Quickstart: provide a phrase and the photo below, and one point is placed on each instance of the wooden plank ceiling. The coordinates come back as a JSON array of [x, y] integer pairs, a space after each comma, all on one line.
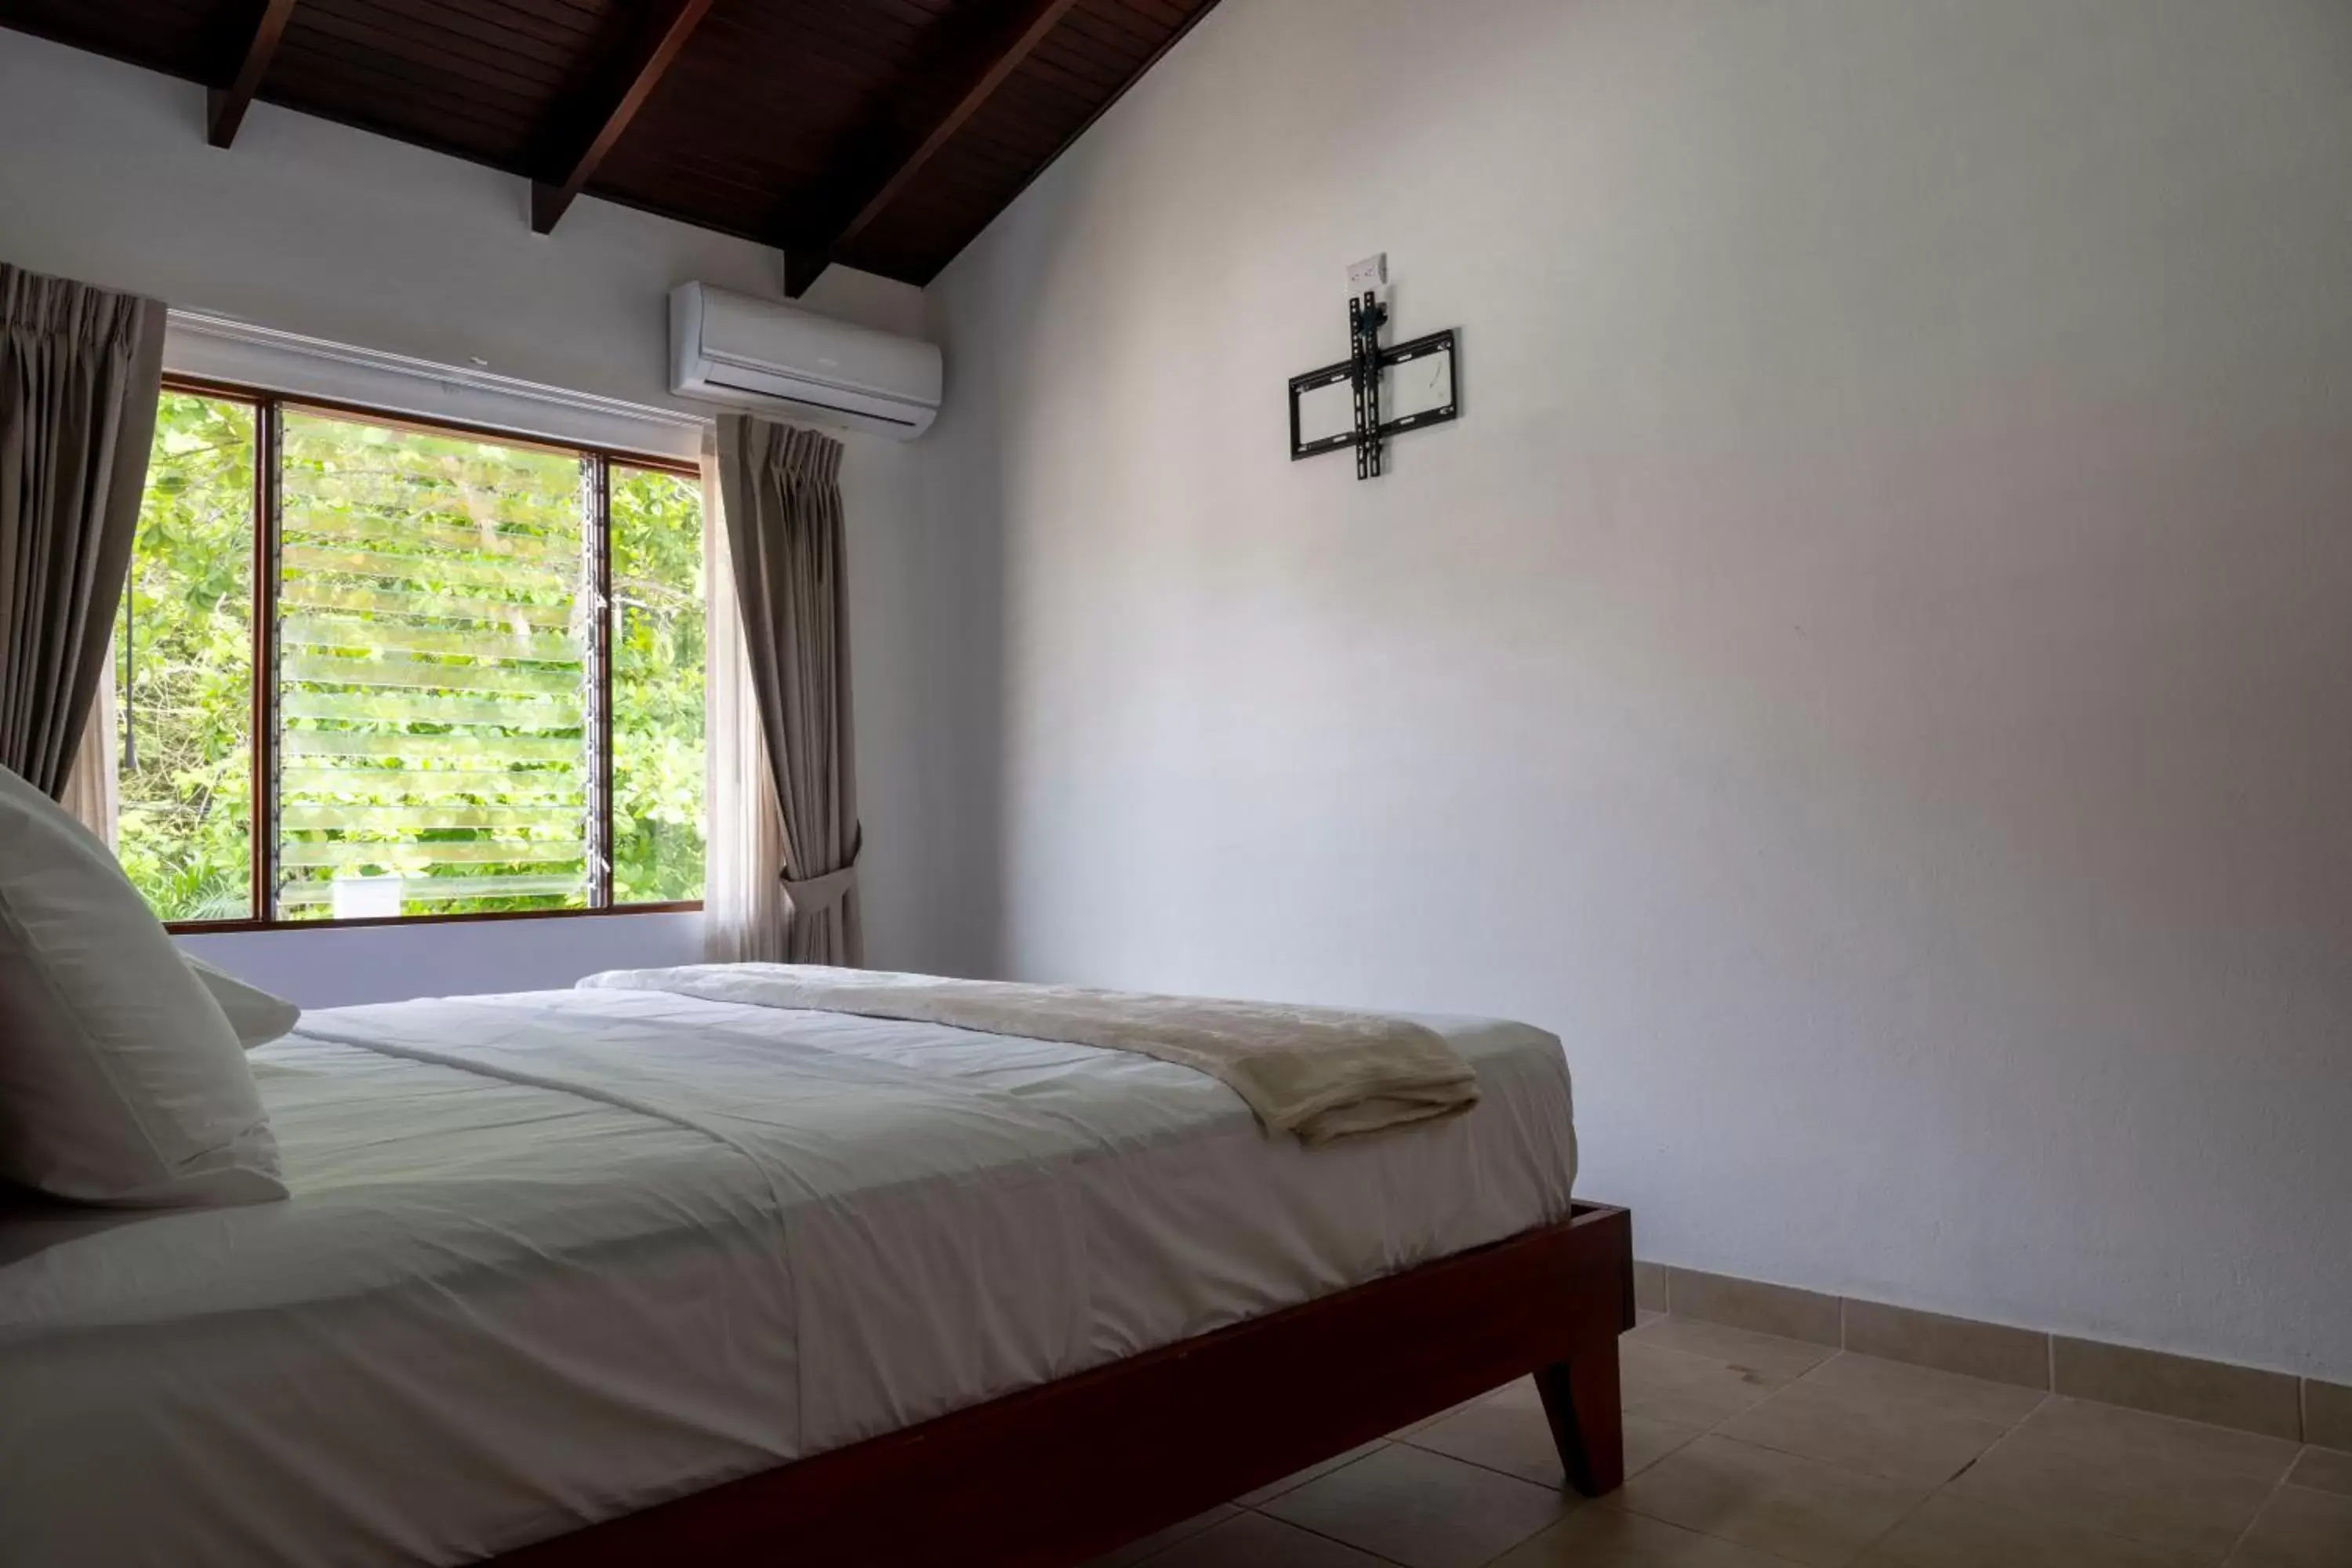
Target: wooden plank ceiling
[[883, 134]]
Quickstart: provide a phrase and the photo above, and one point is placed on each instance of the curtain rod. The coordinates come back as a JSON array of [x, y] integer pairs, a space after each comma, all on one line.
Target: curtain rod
[[231, 331]]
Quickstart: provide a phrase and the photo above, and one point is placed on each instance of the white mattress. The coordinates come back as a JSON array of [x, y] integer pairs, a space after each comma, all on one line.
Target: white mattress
[[555, 1257]]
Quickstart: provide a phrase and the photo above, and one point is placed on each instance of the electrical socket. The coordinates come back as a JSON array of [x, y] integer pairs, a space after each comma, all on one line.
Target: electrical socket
[[1372, 272]]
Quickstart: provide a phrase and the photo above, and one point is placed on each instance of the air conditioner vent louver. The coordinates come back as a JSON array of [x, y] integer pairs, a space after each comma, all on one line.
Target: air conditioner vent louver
[[773, 358], [753, 395]]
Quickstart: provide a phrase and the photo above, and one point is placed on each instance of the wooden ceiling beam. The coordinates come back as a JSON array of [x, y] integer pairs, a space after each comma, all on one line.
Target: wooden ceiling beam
[[801, 267], [600, 123], [224, 106], [987, 66]]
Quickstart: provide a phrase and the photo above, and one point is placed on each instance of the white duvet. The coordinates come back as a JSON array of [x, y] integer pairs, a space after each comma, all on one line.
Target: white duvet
[[554, 1256]]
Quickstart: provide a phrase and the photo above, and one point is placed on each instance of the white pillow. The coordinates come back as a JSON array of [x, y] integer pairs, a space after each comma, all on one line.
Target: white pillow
[[121, 1080], [257, 1016]]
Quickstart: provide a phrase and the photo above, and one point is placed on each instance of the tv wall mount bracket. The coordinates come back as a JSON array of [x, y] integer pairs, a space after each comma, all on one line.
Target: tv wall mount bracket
[[1435, 357]]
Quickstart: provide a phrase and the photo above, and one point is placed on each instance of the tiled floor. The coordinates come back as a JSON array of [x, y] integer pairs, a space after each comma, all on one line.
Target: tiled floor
[[1747, 1451]]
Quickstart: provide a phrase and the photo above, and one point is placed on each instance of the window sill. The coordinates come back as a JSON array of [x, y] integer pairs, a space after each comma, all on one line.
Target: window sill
[[230, 928]]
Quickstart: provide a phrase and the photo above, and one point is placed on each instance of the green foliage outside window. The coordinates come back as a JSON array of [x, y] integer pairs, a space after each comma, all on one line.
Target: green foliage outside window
[[434, 632], [657, 663], [435, 701], [183, 667]]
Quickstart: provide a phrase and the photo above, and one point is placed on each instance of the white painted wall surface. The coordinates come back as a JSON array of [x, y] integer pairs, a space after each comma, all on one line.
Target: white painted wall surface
[[310, 228], [459, 958], [1873, 669]]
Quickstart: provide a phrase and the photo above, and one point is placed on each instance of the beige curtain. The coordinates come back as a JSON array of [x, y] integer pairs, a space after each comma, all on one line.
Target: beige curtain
[[780, 492], [743, 833], [94, 785], [80, 369]]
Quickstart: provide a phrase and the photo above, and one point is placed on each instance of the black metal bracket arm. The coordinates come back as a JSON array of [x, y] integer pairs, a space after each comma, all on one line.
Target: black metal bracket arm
[[1366, 316], [1361, 371]]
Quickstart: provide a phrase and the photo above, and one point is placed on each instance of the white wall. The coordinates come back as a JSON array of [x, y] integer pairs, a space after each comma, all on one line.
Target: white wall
[[334, 968], [1873, 669], [310, 228]]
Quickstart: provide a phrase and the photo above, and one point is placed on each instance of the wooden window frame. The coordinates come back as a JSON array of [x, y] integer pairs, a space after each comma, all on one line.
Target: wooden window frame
[[597, 463]]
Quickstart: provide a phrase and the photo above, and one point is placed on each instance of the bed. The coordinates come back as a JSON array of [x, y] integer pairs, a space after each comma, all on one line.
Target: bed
[[603, 1274]]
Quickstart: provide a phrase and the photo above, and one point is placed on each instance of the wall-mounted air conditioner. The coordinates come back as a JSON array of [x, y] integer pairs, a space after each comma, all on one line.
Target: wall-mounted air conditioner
[[775, 359]]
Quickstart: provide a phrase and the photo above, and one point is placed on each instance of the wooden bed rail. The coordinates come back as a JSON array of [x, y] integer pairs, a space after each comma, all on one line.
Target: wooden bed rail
[[1049, 1476]]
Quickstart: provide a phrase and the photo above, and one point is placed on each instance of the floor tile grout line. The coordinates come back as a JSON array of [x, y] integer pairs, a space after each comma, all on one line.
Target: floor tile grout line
[[2010, 1429], [2056, 1516], [2277, 1487], [1616, 1498], [2049, 1339], [1371, 1448], [2223, 1562], [1903, 1518], [1816, 1460], [2010, 1424], [2252, 1520], [1335, 1540], [1853, 1470], [2007, 1425], [2047, 1394], [1576, 1499], [1483, 1464]]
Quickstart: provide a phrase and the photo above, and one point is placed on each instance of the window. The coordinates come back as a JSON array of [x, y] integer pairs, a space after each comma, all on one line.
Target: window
[[370, 669], [183, 667]]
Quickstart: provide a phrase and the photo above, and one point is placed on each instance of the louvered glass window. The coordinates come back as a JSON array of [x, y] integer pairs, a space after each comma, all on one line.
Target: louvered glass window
[[480, 686], [435, 678], [658, 596]]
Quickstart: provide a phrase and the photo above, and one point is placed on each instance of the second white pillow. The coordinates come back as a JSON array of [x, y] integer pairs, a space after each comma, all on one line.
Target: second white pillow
[[256, 1016]]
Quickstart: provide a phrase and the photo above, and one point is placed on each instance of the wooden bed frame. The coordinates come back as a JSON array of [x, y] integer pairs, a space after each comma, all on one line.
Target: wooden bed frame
[[1051, 1476]]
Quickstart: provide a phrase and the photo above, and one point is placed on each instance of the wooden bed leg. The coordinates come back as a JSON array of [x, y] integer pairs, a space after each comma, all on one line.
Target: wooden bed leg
[[1579, 1396]]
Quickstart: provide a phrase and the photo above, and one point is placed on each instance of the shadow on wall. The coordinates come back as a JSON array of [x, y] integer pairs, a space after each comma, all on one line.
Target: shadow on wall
[[960, 633]]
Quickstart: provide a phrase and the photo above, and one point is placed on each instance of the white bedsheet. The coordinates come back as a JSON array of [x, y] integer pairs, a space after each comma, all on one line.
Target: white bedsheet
[[554, 1256]]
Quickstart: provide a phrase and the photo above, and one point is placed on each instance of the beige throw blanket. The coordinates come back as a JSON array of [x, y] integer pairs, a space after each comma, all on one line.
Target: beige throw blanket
[[1318, 1072]]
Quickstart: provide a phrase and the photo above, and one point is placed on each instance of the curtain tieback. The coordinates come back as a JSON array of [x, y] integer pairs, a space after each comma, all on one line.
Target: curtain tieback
[[815, 895]]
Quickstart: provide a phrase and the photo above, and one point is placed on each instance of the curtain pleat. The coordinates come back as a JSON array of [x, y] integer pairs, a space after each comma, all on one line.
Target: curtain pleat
[[81, 371], [782, 498], [743, 912], [93, 791]]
